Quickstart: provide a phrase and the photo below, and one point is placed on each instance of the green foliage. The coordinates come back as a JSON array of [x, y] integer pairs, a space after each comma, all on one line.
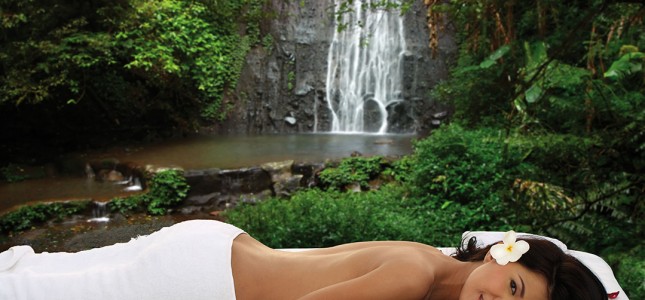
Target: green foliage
[[291, 78], [48, 50], [354, 170], [463, 178], [479, 95], [133, 68], [167, 189], [127, 205], [174, 38], [12, 173], [314, 218], [628, 64], [267, 43], [29, 216], [629, 268], [458, 165], [556, 158], [401, 170]]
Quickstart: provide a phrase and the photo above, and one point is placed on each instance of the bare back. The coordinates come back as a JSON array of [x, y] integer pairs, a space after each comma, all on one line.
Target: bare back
[[366, 270]]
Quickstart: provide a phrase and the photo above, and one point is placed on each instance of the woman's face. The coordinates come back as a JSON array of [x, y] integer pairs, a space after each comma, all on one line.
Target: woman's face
[[512, 281]]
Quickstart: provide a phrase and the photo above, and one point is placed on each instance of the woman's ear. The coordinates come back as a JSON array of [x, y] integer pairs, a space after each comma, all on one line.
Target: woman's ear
[[488, 257]]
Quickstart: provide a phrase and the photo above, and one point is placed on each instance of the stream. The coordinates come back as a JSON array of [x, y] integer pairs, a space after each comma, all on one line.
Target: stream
[[194, 153]]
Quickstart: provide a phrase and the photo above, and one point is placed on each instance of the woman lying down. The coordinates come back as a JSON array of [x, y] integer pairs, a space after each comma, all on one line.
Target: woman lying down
[[205, 259]]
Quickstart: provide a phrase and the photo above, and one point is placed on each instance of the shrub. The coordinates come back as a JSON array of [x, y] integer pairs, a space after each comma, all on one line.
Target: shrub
[[557, 158], [401, 170], [315, 218], [167, 189], [462, 166], [359, 170], [629, 268], [126, 205], [29, 216]]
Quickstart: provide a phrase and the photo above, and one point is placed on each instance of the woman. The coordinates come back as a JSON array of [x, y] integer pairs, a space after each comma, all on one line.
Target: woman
[[212, 260]]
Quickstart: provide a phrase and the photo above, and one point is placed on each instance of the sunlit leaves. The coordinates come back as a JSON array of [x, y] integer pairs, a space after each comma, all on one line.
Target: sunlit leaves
[[492, 59], [175, 38], [626, 65]]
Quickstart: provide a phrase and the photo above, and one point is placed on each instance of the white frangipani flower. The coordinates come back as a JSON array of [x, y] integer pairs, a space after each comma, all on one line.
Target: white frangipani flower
[[509, 250]]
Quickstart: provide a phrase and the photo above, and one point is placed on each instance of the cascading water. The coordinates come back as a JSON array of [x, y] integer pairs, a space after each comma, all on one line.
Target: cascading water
[[364, 69]]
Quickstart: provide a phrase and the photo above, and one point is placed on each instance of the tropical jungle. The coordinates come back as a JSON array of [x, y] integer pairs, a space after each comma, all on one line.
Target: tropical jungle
[[546, 132]]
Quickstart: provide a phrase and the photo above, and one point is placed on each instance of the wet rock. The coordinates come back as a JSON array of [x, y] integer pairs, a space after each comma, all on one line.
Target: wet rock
[[304, 90], [287, 186], [294, 70], [290, 120], [309, 172], [202, 200], [440, 115], [110, 175], [284, 181], [277, 170], [190, 210], [255, 197], [354, 187]]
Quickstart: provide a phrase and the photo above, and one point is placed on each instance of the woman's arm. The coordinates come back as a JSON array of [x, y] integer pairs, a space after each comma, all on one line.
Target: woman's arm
[[393, 280]]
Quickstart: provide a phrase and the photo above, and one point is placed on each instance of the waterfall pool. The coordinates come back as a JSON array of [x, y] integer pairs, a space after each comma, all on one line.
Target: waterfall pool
[[202, 152]]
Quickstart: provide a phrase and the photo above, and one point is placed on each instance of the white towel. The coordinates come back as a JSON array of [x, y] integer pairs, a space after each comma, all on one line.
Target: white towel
[[189, 260]]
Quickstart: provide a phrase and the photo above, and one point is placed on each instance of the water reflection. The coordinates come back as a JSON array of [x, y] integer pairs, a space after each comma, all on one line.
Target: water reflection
[[203, 152], [243, 151], [59, 188]]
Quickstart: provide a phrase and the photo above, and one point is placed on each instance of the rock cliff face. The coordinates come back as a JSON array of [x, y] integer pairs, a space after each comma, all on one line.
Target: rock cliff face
[[282, 86]]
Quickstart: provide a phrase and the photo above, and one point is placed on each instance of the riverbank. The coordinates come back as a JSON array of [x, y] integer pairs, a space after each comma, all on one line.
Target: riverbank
[[79, 235]]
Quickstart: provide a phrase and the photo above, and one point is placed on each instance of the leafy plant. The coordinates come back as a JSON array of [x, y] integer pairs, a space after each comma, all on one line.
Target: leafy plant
[[462, 166], [267, 43], [29, 216], [353, 170], [12, 173], [291, 78], [315, 218], [628, 64], [174, 38], [127, 205], [167, 189], [401, 170]]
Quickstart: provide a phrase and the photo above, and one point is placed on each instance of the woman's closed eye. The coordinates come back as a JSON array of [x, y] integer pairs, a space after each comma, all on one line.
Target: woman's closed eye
[[513, 287]]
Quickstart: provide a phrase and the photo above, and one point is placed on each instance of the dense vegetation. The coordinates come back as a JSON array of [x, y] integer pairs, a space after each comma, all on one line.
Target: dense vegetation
[[547, 134], [79, 73]]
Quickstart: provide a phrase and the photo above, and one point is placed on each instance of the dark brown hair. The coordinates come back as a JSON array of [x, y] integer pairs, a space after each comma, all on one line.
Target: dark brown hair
[[567, 278]]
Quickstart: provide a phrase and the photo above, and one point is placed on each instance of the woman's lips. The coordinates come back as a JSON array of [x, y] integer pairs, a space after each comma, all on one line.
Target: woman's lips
[[481, 297]]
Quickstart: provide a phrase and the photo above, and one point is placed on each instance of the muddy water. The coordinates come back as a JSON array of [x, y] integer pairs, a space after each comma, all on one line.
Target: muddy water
[[58, 188], [244, 151], [225, 152]]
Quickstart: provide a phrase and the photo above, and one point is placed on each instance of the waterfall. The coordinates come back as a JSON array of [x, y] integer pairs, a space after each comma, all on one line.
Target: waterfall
[[99, 212], [365, 68]]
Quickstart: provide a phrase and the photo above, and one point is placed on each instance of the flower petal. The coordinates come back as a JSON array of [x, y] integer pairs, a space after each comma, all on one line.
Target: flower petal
[[513, 256], [498, 251], [509, 237], [509, 250], [503, 260], [521, 247]]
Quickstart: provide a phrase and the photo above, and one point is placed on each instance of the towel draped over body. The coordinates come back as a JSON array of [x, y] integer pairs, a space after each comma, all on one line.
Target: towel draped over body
[[190, 260]]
